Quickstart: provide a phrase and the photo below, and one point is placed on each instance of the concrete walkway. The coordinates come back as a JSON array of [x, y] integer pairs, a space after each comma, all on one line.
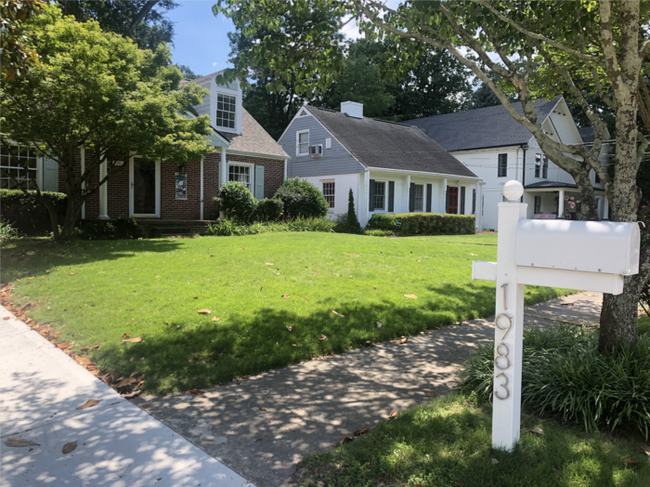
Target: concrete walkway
[[310, 405], [117, 444]]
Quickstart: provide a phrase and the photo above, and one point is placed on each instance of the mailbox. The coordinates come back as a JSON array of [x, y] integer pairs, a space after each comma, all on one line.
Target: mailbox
[[606, 247]]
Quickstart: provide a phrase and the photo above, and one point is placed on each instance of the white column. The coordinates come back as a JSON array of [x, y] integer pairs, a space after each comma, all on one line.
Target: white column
[[408, 193], [103, 193], [444, 196], [560, 204], [509, 324], [201, 192], [366, 194], [606, 209], [223, 170], [83, 185], [285, 169]]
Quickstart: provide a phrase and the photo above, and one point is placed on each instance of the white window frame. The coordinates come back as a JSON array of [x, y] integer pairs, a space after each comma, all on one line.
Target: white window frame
[[216, 111], [298, 133], [424, 197], [38, 169], [385, 207], [323, 182], [251, 171]]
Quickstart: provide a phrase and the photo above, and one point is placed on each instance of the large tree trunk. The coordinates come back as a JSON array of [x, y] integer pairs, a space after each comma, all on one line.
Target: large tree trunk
[[618, 319], [71, 217]]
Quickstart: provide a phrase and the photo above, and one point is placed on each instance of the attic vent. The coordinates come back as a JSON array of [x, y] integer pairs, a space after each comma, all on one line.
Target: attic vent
[[316, 150]]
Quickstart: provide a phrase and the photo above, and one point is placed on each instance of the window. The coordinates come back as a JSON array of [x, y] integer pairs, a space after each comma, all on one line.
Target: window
[[545, 168], [597, 178], [538, 164], [241, 174], [17, 167], [380, 195], [418, 197], [473, 202], [503, 166], [303, 143], [538, 205], [226, 110], [452, 199], [328, 192]]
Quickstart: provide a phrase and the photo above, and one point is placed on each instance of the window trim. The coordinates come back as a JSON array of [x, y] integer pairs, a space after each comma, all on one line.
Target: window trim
[[505, 168], [424, 197], [251, 167], [323, 182], [216, 112], [39, 165], [545, 167], [384, 209], [536, 207], [298, 132]]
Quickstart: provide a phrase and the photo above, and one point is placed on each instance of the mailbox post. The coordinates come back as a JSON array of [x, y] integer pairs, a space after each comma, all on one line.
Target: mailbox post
[[587, 256]]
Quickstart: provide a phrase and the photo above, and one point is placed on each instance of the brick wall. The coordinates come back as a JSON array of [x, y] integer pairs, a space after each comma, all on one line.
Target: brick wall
[[273, 171]]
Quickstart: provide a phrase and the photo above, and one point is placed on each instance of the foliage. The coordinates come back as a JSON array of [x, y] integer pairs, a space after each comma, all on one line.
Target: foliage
[[379, 233], [230, 228], [7, 231], [348, 222], [563, 374], [301, 199], [423, 223], [27, 215], [141, 20], [187, 72], [448, 443], [97, 90], [17, 54], [269, 210], [484, 97], [124, 228], [237, 202]]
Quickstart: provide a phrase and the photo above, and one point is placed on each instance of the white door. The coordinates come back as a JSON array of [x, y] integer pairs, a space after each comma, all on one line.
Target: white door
[[144, 188]]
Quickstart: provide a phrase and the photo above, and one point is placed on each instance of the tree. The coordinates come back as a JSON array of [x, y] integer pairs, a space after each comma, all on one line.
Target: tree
[[17, 56], [484, 97], [187, 72], [98, 91], [141, 20], [352, 222]]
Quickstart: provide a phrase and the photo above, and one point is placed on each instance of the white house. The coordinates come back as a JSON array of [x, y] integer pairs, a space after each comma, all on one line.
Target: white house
[[390, 167], [497, 149]]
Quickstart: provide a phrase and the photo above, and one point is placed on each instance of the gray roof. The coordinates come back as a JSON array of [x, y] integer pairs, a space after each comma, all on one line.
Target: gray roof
[[549, 184], [388, 145], [482, 127]]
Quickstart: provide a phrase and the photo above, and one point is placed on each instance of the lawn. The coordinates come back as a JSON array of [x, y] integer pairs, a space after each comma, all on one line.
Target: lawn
[[448, 443], [255, 287]]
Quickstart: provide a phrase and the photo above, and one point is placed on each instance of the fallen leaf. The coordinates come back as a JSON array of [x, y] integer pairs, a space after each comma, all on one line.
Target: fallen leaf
[[401, 340], [132, 340], [338, 314], [72, 273], [393, 415], [269, 263], [566, 304], [289, 328], [494, 461], [473, 255], [203, 311], [135, 373], [69, 447], [538, 431], [379, 324], [89, 403], [322, 337], [7, 318], [214, 318], [131, 395], [262, 408], [361, 432], [285, 296], [196, 392], [375, 287], [646, 449], [65, 346], [410, 296], [126, 382], [20, 442], [157, 276], [126, 335], [432, 394], [295, 345], [86, 349], [630, 462]]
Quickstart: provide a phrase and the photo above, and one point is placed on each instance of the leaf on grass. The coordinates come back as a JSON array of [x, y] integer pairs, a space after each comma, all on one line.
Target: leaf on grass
[[89, 403], [289, 328], [338, 314], [86, 349], [131, 395], [157, 276], [214, 318], [473, 255], [295, 345], [132, 340], [196, 392], [126, 335], [379, 324], [410, 296], [126, 382], [361, 432], [65, 346], [72, 273], [203, 311], [262, 408], [30, 278], [537, 431], [494, 461], [69, 447], [322, 337], [432, 394], [20, 442], [345, 439], [401, 340], [632, 463], [393, 415], [135, 373], [285, 296], [269, 263]]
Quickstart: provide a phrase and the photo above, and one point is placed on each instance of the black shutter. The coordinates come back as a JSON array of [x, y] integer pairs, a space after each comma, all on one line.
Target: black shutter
[[447, 200], [462, 200], [412, 197], [371, 199], [391, 196], [429, 191], [473, 202]]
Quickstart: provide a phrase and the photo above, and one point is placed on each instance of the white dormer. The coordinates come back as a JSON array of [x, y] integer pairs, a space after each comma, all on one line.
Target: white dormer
[[224, 104]]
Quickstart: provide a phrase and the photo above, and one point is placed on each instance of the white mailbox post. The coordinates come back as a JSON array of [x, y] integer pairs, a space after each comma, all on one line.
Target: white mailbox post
[[587, 256]]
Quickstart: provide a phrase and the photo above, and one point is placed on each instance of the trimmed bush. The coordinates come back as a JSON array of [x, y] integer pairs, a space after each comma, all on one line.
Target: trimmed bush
[[348, 222], [301, 199], [26, 214], [565, 375], [269, 210], [237, 202], [229, 228], [423, 223], [124, 228]]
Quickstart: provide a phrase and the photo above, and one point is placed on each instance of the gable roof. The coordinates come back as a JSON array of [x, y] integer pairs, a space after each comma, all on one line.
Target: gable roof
[[481, 128], [253, 139], [387, 145], [201, 79]]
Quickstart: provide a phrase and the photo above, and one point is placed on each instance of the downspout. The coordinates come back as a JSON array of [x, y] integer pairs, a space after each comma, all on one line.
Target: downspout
[[523, 147], [285, 169]]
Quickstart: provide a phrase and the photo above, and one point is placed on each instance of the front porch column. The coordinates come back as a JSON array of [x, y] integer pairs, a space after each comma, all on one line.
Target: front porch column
[[103, 194], [560, 204], [366, 198], [223, 169]]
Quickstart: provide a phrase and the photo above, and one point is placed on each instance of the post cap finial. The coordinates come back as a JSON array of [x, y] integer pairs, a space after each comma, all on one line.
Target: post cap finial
[[513, 190]]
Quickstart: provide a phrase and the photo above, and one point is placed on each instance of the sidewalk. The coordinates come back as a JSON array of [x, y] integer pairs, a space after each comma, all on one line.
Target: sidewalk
[[310, 405], [117, 444]]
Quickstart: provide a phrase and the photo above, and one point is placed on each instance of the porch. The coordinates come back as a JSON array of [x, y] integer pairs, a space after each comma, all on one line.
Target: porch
[[549, 200]]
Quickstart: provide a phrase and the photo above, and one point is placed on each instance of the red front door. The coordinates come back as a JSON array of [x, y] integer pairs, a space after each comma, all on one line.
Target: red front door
[[452, 199]]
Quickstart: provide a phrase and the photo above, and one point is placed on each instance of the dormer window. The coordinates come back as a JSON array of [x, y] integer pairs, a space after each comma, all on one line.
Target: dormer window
[[226, 111]]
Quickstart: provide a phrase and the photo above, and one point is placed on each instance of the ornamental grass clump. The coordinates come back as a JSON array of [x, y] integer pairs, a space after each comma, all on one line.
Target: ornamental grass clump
[[565, 375]]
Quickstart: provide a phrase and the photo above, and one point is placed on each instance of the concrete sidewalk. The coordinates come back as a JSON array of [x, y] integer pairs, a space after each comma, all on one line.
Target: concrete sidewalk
[[118, 444], [310, 405]]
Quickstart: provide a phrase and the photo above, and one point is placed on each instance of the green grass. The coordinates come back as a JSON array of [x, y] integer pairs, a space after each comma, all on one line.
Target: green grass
[[644, 325], [448, 443], [94, 292]]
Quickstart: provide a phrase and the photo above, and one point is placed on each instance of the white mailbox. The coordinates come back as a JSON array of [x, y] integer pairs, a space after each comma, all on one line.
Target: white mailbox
[[607, 247]]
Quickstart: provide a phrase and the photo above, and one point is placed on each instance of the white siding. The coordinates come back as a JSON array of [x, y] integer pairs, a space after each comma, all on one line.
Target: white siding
[[343, 184], [204, 108]]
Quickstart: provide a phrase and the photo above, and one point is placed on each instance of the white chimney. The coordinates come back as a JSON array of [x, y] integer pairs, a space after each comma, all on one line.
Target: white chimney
[[352, 109]]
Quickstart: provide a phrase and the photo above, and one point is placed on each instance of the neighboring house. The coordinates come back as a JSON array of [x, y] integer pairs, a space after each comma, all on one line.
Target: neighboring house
[[244, 152], [390, 167], [497, 148]]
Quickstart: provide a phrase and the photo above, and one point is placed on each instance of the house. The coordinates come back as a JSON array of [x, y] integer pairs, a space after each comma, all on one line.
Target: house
[[390, 167], [244, 152], [497, 148]]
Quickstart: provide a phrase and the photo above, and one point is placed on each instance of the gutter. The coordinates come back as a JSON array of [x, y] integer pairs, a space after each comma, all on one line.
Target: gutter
[[405, 171]]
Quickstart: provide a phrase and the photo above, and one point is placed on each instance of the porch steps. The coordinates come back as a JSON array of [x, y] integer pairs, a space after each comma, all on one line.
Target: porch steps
[[175, 228]]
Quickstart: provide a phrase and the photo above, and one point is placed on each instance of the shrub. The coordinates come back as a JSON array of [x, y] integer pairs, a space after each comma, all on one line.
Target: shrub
[[124, 228], [7, 231], [269, 210], [237, 202], [348, 222], [26, 214], [423, 223], [229, 228], [379, 233], [564, 374], [301, 199]]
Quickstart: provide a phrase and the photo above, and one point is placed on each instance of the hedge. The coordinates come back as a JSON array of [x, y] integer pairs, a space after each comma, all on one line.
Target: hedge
[[27, 214], [423, 223]]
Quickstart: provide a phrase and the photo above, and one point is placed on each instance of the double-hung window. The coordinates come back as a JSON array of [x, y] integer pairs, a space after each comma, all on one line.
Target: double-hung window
[[418, 197], [302, 139], [226, 110], [329, 192], [545, 168], [17, 167], [502, 170], [380, 195], [241, 174], [541, 166]]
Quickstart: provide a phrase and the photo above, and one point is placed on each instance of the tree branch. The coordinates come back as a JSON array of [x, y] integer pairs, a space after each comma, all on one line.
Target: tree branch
[[141, 15]]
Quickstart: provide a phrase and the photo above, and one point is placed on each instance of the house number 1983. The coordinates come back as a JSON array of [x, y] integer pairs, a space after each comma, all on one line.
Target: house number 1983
[[501, 360]]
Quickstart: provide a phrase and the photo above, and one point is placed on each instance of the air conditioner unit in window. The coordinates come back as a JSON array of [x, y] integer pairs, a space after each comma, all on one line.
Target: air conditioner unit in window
[[316, 150]]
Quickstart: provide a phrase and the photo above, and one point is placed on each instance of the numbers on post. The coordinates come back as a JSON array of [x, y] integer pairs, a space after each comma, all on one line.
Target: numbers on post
[[506, 329], [504, 385], [500, 354], [501, 351]]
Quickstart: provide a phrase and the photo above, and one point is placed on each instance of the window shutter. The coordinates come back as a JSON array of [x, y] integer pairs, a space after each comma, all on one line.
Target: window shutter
[[429, 196], [371, 196], [473, 202], [412, 198], [447, 200], [259, 182], [462, 200], [50, 175], [391, 196]]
